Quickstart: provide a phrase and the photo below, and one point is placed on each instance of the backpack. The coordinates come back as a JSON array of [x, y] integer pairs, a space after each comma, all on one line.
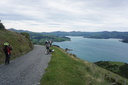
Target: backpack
[[5, 49]]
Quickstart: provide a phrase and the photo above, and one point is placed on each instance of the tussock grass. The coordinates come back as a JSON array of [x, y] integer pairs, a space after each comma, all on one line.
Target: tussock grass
[[66, 69], [18, 42]]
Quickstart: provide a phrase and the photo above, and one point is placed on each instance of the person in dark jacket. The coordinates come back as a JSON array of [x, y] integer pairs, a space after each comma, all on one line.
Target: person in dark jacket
[[7, 50]]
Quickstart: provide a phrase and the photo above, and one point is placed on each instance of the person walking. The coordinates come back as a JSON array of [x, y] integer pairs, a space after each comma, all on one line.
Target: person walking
[[7, 50]]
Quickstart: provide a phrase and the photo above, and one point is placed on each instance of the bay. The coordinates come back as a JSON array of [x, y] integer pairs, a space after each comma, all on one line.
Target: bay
[[94, 50]]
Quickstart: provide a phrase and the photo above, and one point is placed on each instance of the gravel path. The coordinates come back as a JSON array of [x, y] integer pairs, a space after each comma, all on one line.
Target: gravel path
[[25, 70]]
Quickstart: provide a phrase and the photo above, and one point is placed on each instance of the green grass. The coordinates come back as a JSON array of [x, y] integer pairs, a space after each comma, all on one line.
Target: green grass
[[65, 69], [117, 63]]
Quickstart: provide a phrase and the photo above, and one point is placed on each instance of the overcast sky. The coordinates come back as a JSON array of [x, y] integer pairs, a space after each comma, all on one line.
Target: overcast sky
[[65, 15]]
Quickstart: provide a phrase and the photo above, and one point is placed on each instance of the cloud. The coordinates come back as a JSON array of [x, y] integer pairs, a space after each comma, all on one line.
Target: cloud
[[65, 15]]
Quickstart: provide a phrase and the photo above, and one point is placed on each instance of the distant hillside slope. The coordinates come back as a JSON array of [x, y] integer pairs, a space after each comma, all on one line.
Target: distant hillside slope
[[116, 67], [40, 38], [20, 43], [97, 35]]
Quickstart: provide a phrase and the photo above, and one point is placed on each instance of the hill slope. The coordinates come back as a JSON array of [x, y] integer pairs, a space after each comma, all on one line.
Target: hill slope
[[19, 42], [66, 69], [116, 67]]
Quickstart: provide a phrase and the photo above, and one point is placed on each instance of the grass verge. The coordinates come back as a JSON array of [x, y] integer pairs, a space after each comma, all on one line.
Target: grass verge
[[65, 69]]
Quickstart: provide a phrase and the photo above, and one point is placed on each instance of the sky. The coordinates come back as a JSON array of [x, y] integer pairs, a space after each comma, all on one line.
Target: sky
[[65, 15]]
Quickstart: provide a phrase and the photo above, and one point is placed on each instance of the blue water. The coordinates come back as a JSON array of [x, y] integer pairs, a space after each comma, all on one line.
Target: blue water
[[93, 50]]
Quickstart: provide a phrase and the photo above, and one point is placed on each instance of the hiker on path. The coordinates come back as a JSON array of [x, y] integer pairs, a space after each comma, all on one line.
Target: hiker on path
[[7, 50], [47, 44]]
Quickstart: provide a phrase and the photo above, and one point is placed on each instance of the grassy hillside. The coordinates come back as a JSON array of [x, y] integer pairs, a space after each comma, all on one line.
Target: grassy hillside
[[19, 42], [66, 69], [116, 67], [38, 38]]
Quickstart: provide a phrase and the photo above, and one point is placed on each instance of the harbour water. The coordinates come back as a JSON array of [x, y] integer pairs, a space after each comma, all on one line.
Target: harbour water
[[94, 50]]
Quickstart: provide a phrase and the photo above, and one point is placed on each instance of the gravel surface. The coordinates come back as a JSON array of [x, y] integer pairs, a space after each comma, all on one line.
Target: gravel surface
[[25, 70]]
